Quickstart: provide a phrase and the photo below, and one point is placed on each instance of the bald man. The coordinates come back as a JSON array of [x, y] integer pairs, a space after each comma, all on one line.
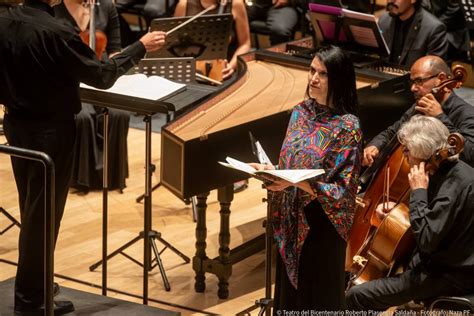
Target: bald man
[[458, 116]]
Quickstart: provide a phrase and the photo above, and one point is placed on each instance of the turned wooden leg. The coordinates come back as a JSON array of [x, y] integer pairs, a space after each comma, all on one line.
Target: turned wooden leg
[[225, 196], [201, 234]]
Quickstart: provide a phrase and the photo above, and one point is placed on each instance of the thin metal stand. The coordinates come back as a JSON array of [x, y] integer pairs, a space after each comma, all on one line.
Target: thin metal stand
[[11, 218], [149, 236], [191, 201], [265, 304], [105, 197]]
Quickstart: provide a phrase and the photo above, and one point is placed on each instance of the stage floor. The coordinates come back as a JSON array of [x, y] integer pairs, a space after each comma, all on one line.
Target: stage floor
[[85, 303]]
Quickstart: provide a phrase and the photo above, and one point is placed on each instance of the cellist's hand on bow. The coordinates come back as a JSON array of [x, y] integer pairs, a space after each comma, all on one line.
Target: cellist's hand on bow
[[370, 153], [382, 210], [428, 105], [153, 40], [418, 177]]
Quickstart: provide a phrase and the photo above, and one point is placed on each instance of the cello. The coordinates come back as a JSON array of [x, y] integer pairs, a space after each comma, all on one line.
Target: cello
[[389, 171], [392, 242]]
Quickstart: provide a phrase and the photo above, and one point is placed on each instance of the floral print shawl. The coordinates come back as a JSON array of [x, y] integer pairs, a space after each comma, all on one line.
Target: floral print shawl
[[316, 138]]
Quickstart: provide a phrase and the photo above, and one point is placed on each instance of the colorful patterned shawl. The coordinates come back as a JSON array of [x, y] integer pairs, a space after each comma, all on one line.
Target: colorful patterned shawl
[[315, 139]]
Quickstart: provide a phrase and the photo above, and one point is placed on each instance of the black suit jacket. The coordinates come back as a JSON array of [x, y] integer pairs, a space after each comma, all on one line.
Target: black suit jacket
[[451, 14], [427, 36]]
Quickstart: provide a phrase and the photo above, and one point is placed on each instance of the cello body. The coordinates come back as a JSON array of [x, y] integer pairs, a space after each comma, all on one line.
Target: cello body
[[389, 247], [397, 169], [375, 249]]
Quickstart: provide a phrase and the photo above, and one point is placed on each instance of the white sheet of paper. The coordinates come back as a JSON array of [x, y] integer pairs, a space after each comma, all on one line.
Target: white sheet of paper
[[141, 86]]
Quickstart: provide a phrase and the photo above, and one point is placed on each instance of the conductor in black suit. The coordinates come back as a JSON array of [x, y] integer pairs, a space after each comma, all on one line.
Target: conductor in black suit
[[412, 32], [43, 62]]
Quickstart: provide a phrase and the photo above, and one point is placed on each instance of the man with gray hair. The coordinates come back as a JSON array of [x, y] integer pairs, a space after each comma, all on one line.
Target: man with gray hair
[[441, 219]]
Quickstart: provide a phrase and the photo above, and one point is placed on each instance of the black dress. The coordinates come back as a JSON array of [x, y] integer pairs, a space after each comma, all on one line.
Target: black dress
[[315, 269]]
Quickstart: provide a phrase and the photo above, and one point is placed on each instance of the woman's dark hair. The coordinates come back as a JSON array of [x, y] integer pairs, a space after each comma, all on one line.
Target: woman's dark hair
[[342, 94]]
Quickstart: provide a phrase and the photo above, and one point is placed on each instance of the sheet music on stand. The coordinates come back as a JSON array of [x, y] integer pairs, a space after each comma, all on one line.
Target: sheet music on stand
[[354, 31], [205, 38]]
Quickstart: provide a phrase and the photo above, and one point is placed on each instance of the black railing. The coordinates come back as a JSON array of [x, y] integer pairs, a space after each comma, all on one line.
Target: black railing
[[49, 211]]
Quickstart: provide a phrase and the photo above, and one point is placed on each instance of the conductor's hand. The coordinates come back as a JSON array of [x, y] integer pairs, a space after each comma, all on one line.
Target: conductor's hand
[[428, 105], [370, 153], [418, 177], [153, 41], [382, 210]]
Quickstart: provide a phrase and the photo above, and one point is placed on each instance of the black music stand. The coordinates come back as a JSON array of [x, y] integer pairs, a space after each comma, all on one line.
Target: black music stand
[[205, 38], [12, 220], [147, 108], [467, 7], [265, 304], [353, 31], [178, 69]]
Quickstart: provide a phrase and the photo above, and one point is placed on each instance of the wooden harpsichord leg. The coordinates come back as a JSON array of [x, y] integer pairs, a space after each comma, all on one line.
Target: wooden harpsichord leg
[[225, 196], [201, 233]]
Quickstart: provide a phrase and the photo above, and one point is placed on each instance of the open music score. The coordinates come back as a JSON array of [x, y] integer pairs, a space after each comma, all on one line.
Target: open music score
[[294, 176], [141, 86]]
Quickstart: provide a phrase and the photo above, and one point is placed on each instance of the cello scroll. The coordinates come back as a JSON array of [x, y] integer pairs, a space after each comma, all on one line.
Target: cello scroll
[[455, 147]]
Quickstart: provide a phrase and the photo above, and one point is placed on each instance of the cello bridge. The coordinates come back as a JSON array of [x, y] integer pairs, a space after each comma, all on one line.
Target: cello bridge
[[359, 260]]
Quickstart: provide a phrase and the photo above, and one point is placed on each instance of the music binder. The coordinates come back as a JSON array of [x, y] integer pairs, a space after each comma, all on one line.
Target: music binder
[[349, 29], [294, 175]]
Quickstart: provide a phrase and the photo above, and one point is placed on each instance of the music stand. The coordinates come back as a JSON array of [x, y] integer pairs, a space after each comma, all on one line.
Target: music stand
[[468, 10], [353, 31], [147, 108], [467, 7], [265, 304], [12, 220], [205, 38], [178, 69]]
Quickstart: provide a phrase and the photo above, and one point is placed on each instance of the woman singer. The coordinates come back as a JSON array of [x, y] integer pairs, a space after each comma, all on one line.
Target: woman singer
[[312, 219]]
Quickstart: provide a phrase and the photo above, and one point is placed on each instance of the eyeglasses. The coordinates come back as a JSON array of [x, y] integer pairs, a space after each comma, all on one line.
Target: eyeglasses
[[420, 81]]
